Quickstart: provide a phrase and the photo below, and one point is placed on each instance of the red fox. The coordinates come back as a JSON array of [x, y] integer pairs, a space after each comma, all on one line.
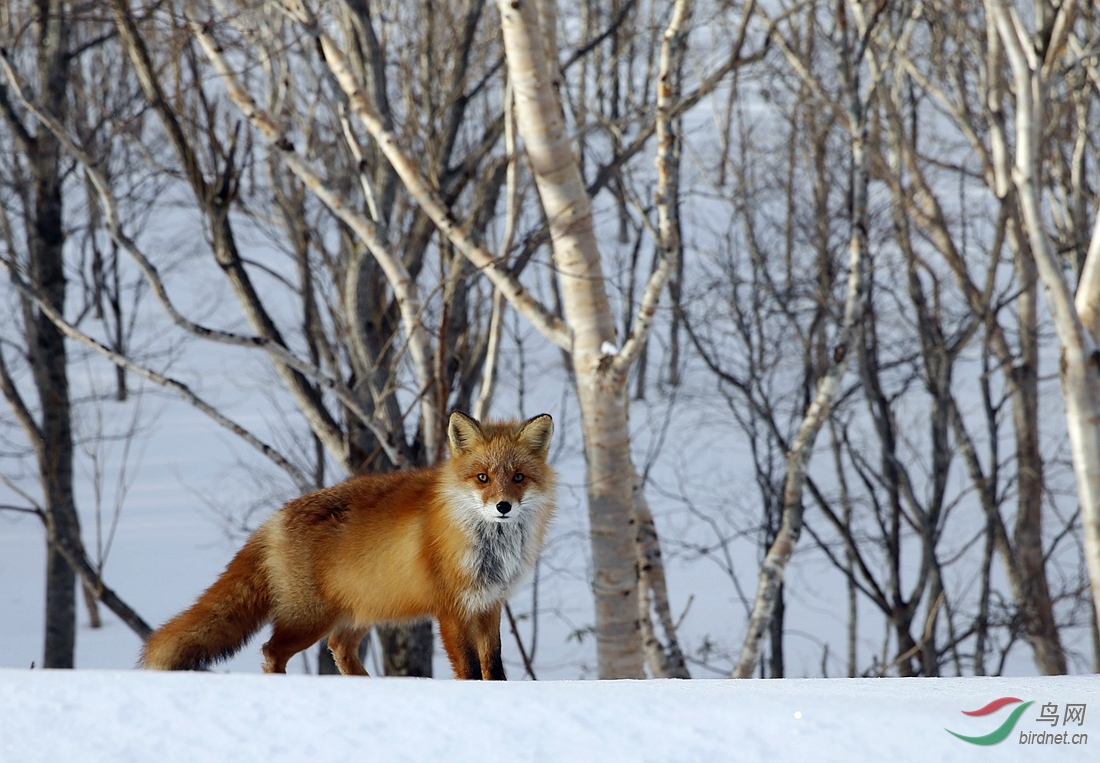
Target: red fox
[[449, 541]]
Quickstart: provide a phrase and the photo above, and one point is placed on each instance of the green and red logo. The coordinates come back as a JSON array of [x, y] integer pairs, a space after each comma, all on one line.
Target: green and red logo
[[1001, 732]]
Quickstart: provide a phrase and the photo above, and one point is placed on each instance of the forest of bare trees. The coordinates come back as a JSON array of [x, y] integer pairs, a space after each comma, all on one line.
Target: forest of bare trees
[[814, 286]]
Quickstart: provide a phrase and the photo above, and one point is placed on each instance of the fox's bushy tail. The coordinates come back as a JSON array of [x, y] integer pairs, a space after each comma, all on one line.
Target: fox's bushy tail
[[225, 616]]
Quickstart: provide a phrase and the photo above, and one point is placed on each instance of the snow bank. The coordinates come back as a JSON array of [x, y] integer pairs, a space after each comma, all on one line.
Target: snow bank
[[121, 716]]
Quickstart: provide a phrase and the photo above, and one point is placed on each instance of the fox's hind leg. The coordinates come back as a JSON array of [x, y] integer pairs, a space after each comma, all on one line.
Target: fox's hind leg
[[344, 644], [288, 639]]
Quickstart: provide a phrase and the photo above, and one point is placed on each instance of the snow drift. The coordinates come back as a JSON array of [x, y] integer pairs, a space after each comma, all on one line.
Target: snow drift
[[122, 716]]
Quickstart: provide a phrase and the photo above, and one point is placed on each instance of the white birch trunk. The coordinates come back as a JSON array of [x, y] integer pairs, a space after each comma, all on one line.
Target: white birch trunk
[[663, 655], [1075, 317], [601, 392]]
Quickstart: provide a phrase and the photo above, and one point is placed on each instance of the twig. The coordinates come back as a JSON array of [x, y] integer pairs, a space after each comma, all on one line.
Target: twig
[[519, 641]]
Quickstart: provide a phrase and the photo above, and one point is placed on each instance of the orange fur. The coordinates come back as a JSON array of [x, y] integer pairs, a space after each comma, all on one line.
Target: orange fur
[[448, 542]]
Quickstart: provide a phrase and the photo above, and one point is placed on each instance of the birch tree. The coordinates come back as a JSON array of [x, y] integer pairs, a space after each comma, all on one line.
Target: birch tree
[[593, 348], [600, 364], [1036, 56]]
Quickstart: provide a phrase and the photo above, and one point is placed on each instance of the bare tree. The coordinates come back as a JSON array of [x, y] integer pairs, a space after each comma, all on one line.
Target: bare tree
[[948, 77], [53, 44], [1034, 57], [50, 433], [852, 46], [896, 517]]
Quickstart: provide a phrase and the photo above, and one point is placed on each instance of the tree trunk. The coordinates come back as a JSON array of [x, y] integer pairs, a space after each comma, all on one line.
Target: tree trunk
[[1037, 608], [1076, 317], [601, 391], [407, 649], [775, 637], [664, 657], [48, 357]]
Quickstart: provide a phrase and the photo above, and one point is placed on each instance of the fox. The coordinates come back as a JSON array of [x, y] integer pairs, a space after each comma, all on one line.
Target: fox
[[449, 542]]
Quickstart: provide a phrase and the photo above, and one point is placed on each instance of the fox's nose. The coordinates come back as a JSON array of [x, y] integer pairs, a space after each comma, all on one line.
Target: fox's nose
[[504, 507]]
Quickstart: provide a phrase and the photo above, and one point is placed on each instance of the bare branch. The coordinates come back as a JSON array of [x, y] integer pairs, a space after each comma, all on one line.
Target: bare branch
[[180, 388], [427, 197], [673, 45], [18, 405]]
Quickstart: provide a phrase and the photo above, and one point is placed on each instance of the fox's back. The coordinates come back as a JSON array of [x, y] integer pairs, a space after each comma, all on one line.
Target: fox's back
[[361, 543], [370, 502]]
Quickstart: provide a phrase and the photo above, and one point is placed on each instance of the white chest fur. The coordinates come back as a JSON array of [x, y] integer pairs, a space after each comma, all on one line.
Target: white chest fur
[[500, 551], [500, 555]]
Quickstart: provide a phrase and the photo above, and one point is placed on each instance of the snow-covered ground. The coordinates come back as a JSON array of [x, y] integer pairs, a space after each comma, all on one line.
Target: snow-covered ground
[[119, 716]]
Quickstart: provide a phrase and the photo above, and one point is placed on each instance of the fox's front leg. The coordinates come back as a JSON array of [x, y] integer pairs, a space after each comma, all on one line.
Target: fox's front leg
[[473, 644], [457, 637], [487, 635]]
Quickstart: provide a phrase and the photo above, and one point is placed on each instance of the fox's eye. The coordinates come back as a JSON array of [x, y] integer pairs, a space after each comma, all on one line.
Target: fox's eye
[[483, 478], [518, 477]]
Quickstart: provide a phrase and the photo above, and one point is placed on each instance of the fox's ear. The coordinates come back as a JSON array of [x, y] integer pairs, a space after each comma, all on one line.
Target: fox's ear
[[463, 433], [536, 434]]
